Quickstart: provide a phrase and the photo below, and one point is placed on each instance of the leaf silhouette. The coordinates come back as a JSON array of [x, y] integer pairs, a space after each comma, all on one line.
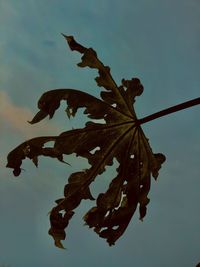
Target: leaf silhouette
[[120, 137]]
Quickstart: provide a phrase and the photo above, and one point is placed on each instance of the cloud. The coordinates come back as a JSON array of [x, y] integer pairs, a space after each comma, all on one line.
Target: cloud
[[15, 118]]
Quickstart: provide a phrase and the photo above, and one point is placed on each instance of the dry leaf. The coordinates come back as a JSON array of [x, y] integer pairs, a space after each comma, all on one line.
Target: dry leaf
[[120, 137]]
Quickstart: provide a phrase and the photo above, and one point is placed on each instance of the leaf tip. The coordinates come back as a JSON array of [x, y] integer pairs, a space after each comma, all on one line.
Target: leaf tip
[[38, 117], [58, 244], [17, 172], [67, 37], [73, 44]]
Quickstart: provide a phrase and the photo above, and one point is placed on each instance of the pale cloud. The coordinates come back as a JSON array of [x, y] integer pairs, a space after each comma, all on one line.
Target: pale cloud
[[16, 119]]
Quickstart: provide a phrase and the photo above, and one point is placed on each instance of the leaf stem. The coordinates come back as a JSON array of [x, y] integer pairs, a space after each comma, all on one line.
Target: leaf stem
[[167, 111]]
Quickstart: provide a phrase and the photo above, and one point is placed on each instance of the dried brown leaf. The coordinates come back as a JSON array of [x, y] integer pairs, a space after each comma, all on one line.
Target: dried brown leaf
[[120, 137]]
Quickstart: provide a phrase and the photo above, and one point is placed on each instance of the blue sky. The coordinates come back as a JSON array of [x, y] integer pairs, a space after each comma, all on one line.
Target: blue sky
[[155, 40]]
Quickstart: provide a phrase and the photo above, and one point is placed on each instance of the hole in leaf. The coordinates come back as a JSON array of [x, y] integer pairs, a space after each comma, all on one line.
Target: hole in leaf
[[94, 150], [70, 110], [49, 144], [114, 105], [101, 183], [123, 196], [104, 228], [62, 212], [107, 213]]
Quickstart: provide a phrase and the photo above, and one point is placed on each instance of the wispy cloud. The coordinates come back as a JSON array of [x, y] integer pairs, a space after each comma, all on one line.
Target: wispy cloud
[[15, 118]]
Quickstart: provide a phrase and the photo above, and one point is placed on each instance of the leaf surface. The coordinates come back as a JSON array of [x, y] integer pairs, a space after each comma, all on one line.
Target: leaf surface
[[120, 137]]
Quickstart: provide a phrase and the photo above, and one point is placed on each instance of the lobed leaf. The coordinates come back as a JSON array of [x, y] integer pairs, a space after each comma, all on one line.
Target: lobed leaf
[[120, 137]]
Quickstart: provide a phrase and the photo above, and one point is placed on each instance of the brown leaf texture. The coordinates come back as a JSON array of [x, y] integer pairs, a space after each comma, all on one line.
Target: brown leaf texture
[[120, 137]]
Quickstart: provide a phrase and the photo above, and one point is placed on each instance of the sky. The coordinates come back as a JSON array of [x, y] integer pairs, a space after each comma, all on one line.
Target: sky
[[157, 41]]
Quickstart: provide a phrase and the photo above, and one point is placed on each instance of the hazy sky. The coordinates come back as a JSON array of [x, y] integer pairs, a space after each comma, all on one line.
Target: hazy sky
[[155, 40]]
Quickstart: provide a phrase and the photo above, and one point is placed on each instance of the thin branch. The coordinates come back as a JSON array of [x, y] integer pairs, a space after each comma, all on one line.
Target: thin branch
[[167, 111]]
